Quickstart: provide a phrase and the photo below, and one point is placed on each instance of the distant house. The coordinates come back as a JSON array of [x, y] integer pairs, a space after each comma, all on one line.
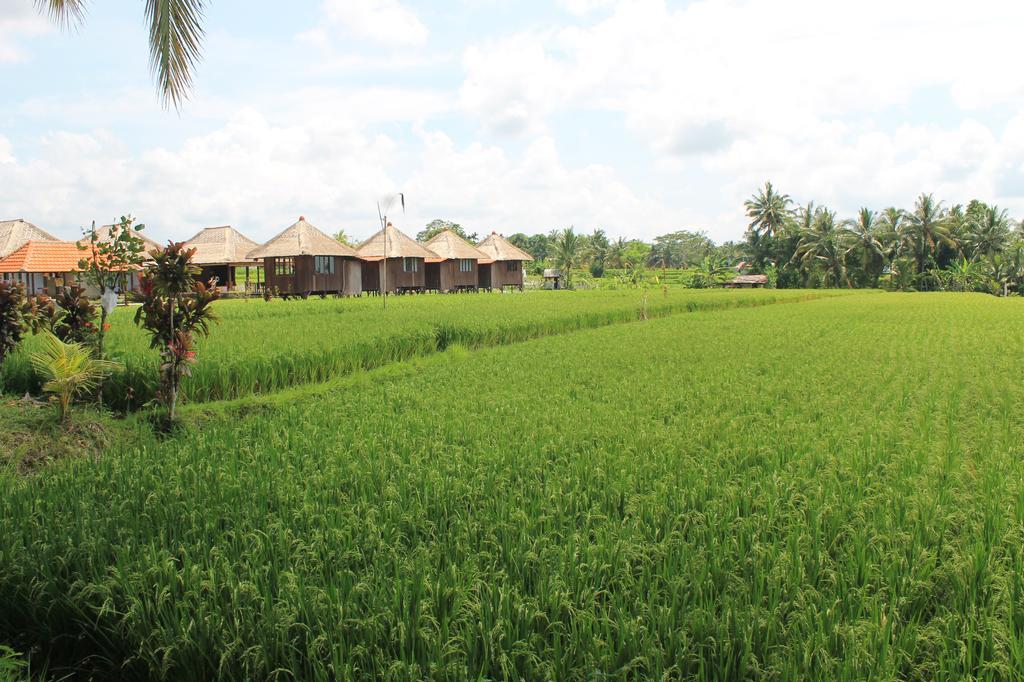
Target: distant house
[[504, 264], [394, 262], [219, 251], [456, 265], [747, 282], [303, 260], [552, 278], [42, 266], [15, 233]]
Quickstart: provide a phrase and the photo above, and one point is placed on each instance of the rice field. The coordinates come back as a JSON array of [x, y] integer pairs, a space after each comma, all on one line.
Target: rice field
[[827, 490], [260, 347]]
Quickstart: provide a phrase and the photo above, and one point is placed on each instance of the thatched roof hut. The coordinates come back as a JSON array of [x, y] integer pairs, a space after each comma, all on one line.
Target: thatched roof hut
[[392, 243], [303, 260], [16, 233], [498, 248], [450, 246], [400, 262], [504, 264], [301, 239], [219, 250], [456, 266], [747, 281], [222, 245]]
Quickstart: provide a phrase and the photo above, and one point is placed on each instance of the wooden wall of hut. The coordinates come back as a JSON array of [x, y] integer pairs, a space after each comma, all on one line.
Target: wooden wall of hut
[[397, 278], [453, 279], [500, 276], [346, 278]]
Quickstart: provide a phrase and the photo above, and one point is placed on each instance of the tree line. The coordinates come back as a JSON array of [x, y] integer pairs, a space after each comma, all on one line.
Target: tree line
[[928, 247]]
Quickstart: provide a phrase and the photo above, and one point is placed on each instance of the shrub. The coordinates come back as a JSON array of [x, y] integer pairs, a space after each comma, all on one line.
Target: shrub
[[12, 317], [76, 323], [175, 308]]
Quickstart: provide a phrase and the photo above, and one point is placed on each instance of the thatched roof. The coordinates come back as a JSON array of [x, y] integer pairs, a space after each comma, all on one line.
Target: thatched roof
[[301, 239], [221, 246], [391, 243], [450, 246], [16, 233], [498, 248], [148, 245], [750, 279]]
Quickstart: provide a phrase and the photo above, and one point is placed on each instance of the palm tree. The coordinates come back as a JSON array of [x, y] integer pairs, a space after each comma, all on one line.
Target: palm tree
[[768, 211], [769, 214], [825, 243], [567, 253], [864, 238], [616, 251], [1007, 268], [924, 229], [804, 224], [890, 224], [986, 232], [68, 370], [175, 40]]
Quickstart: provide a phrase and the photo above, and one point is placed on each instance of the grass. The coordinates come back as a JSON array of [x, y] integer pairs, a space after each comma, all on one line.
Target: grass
[[33, 437], [261, 347], [824, 490]]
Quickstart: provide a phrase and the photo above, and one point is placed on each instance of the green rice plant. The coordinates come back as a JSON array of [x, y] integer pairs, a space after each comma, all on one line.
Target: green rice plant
[[259, 347], [829, 490]]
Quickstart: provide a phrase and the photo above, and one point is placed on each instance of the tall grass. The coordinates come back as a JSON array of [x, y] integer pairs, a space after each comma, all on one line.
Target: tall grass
[[261, 347], [831, 490]]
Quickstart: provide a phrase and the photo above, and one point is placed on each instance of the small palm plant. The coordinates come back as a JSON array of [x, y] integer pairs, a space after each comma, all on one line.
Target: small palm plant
[[68, 370]]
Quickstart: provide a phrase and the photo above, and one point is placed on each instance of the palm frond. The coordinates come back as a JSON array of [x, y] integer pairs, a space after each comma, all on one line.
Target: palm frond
[[64, 12], [175, 46]]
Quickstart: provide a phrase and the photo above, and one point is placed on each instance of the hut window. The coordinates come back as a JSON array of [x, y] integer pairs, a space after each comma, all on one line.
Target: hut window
[[284, 267], [324, 265], [465, 265], [410, 265], [512, 266]]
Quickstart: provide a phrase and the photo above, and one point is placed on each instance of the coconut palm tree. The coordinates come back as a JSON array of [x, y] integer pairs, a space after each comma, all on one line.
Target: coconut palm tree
[[890, 224], [769, 214], [1007, 268], [175, 40], [567, 253], [986, 232], [768, 211], [616, 251], [924, 229], [865, 242], [68, 370], [825, 243]]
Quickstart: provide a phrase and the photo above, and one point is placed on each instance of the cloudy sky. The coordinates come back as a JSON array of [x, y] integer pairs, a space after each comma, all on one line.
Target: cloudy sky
[[638, 117]]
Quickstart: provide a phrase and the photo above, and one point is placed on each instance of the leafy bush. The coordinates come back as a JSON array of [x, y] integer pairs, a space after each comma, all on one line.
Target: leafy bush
[[76, 322]]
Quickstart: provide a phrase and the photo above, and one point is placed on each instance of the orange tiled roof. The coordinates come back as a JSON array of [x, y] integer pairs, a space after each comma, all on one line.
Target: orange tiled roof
[[39, 256]]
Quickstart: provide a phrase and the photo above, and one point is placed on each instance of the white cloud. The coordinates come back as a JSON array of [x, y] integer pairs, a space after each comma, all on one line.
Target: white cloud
[[829, 99], [18, 18], [483, 188], [383, 21], [259, 174]]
